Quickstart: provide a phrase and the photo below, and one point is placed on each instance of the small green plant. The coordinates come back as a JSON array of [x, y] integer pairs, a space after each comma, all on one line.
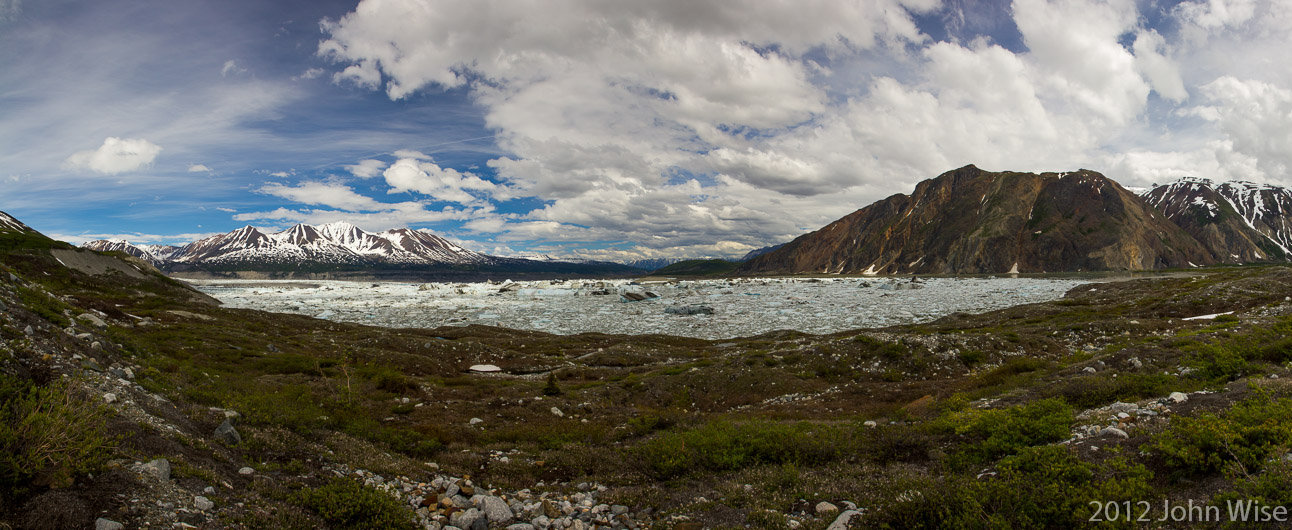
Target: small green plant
[[551, 389], [348, 505]]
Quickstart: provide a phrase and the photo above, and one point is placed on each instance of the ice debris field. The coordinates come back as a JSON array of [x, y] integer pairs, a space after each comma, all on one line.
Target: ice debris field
[[709, 309]]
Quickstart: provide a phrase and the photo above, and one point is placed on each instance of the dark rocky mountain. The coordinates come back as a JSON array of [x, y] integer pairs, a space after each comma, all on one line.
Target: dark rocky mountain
[[1238, 222], [973, 221], [340, 247]]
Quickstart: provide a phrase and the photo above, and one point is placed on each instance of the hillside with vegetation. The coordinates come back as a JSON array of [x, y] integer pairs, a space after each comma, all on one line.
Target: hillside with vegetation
[[129, 398]]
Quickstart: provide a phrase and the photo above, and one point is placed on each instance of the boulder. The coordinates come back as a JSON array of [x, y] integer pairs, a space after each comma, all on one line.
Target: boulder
[[203, 503], [495, 509], [159, 468], [1113, 431], [92, 319], [227, 434], [107, 524], [841, 522]]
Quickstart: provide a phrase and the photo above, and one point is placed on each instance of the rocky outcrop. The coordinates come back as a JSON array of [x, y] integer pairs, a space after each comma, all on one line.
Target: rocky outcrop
[[973, 221]]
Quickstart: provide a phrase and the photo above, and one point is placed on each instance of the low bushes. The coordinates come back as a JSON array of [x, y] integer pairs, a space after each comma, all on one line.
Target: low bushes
[[48, 434], [1247, 435], [348, 505], [1040, 487], [993, 433], [725, 446]]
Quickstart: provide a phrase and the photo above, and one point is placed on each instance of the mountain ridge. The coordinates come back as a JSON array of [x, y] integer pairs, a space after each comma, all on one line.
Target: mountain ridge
[[337, 247], [972, 221]]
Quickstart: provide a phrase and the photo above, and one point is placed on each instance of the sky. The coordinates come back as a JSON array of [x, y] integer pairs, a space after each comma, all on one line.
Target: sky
[[615, 129]]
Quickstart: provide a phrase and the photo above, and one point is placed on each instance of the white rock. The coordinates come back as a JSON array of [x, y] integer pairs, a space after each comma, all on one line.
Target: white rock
[[1088, 369], [484, 368], [1178, 397], [1113, 431], [823, 508], [475, 421], [557, 412], [841, 522], [246, 471], [203, 503], [870, 423], [107, 524], [110, 398]]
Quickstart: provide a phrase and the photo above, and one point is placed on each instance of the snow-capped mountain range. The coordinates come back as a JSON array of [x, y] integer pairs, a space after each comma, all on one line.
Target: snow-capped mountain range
[[1240, 221], [333, 244]]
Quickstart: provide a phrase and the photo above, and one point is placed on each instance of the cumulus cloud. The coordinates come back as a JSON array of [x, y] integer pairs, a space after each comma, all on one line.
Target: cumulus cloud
[[366, 169], [325, 194], [1254, 117], [199, 168], [116, 155], [428, 178], [678, 125]]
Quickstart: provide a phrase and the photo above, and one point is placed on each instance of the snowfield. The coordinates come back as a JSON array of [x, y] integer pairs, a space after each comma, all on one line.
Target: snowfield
[[739, 307]]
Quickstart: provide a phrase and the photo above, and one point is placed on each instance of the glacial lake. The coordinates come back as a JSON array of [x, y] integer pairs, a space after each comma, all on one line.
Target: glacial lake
[[740, 307]]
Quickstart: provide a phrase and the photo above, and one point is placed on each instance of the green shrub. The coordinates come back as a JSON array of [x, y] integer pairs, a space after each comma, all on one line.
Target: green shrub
[[1040, 487], [972, 358], [1271, 487], [551, 389], [49, 433], [1221, 363], [990, 434], [1248, 434], [388, 379], [348, 505]]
